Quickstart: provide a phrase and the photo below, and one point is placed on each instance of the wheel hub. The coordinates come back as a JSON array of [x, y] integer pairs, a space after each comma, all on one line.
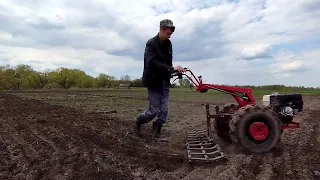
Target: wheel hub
[[259, 131]]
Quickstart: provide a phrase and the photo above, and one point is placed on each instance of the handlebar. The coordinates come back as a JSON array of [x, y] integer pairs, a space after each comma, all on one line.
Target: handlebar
[[196, 81], [177, 73]]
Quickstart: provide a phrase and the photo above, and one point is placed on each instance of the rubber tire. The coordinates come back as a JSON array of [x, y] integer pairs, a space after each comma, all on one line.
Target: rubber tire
[[221, 124], [222, 129], [241, 121]]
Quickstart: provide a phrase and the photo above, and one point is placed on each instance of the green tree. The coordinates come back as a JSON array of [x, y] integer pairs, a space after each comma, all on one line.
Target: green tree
[[7, 79], [86, 81], [105, 80], [21, 74], [38, 80], [65, 77]]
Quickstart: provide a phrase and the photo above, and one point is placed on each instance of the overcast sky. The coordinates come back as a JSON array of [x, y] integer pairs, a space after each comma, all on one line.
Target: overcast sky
[[230, 42]]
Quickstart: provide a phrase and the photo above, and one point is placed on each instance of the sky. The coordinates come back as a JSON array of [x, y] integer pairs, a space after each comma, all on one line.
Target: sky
[[238, 42]]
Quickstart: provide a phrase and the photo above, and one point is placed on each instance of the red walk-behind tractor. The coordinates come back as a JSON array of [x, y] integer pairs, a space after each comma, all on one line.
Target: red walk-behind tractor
[[256, 128]]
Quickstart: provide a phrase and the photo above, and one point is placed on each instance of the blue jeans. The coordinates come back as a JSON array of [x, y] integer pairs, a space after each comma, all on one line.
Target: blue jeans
[[158, 105]]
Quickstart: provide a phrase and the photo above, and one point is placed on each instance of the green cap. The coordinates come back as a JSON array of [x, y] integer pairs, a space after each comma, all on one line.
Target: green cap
[[167, 22]]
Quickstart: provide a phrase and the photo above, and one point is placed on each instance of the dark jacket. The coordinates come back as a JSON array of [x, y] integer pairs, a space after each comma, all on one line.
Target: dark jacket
[[157, 62]]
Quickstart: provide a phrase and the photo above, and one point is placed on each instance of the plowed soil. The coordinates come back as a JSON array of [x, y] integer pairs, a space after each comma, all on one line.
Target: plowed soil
[[41, 140]]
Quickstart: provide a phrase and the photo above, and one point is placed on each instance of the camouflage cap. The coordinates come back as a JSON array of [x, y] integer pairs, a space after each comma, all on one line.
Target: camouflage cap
[[167, 22]]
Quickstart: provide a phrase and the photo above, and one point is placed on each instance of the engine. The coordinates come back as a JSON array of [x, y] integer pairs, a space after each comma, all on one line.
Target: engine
[[285, 105]]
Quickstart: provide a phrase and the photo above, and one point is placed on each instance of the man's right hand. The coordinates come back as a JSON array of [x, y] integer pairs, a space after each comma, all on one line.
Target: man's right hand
[[179, 68]]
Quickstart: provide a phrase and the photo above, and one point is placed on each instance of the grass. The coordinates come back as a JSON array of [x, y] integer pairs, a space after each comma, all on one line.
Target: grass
[[124, 100], [181, 94], [129, 103]]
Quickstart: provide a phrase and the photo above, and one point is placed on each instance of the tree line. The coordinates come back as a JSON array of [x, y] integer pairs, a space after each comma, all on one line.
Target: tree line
[[25, 77]]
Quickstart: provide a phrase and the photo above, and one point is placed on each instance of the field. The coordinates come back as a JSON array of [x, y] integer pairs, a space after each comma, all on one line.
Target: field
[[87, 134]]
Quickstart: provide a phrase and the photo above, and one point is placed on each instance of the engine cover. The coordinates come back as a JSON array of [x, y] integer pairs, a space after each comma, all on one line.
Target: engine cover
[[292, 100], [286, 106]]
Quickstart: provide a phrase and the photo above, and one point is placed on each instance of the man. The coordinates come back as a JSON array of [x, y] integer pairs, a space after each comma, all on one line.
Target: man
[[156, 77]]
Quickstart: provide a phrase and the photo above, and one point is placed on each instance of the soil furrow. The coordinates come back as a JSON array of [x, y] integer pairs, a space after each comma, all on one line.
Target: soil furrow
[[44, 141], [17, 156], [71, 144], [19, 138], [43, 138]]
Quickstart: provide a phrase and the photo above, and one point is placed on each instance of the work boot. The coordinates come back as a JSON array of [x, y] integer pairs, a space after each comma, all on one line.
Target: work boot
[[137, 127], [156, 129]]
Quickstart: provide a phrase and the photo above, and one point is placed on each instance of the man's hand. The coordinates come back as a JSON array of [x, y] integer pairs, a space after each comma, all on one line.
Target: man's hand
[[179, 68]]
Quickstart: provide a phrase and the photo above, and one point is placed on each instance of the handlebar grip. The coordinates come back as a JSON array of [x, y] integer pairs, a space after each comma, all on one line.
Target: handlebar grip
[[175, 71]]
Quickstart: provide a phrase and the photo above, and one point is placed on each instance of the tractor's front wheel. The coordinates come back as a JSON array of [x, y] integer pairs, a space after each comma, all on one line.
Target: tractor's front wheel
[[256, 128]]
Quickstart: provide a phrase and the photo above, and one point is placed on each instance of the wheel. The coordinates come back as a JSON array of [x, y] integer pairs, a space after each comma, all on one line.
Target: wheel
[[221, 124], [221, 127], [256, 128]]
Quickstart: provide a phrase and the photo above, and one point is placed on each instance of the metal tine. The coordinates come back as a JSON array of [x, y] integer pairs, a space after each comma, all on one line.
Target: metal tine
[[199, 144], [207, 153], [209, 148]]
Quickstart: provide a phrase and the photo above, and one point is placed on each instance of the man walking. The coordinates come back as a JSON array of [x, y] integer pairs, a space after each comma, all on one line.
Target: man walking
[[156, 77]]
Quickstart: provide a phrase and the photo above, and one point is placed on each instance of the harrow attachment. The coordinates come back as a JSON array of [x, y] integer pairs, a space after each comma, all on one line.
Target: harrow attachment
[[201, 147]]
